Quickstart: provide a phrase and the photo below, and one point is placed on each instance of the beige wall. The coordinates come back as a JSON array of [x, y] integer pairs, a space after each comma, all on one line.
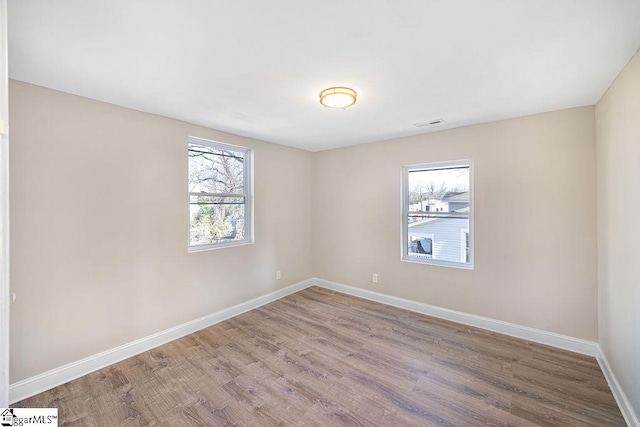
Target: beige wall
[[99, 228], [618, 154], [99, 225], [535, 222]]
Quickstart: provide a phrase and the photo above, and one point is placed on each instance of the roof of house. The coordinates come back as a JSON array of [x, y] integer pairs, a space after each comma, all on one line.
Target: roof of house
[[456, 196]]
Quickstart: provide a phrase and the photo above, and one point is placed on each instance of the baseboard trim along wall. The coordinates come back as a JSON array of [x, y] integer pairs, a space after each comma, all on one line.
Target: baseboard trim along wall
[[55, 377], [565, 342], [621, 397]]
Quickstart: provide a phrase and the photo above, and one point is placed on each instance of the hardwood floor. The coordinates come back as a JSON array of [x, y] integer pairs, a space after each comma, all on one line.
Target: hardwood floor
[[320, 358]]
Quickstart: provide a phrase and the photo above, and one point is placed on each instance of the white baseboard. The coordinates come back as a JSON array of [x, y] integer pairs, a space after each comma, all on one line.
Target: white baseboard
[[623, 401], [55, 377], [565, 342]]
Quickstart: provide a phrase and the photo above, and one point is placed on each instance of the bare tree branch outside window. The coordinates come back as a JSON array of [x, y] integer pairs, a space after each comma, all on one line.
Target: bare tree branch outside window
[[217, 195]]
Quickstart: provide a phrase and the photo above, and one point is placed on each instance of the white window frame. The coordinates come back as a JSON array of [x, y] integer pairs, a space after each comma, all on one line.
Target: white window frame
[[247, 195], [405, 213]]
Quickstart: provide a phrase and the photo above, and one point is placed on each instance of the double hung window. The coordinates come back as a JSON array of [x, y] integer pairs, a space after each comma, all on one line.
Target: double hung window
[[220, 212], [437, 214]]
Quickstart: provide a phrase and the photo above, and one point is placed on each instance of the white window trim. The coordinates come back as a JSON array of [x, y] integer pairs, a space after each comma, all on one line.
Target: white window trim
[[248, 195], [405, 210]]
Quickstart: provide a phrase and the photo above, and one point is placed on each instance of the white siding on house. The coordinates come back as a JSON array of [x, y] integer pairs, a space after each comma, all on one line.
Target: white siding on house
[[456, 206], [447, 237]]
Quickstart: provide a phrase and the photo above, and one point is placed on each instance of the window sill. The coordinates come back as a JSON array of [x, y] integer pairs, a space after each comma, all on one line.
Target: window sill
[[437, 263], [203, 248]]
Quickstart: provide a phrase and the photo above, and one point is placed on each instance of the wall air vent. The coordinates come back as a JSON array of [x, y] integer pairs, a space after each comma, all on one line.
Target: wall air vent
[[431, 123]]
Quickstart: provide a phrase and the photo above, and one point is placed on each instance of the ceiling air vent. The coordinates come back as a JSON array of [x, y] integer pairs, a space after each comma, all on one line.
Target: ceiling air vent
[[431, 123]]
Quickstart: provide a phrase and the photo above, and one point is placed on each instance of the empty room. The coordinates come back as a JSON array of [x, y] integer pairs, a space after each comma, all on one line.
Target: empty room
[[305, 213]]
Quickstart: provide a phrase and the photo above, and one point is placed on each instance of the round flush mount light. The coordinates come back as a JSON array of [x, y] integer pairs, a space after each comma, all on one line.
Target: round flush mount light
[[338, 97]]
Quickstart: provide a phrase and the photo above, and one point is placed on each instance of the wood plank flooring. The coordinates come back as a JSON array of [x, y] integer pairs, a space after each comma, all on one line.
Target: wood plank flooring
[[321, 358]]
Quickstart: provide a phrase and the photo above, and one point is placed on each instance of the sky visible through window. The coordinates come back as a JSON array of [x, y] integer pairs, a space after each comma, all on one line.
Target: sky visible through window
[[452, 179]]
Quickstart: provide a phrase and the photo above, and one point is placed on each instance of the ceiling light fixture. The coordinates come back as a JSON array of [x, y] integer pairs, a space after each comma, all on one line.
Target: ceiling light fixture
[[338, 97]]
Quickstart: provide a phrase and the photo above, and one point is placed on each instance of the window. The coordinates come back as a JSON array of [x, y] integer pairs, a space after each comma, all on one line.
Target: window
[[437, 214], [220, 205]]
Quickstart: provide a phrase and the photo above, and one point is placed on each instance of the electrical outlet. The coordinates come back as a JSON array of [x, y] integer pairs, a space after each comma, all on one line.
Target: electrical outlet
[[375, 278], [278, 275]]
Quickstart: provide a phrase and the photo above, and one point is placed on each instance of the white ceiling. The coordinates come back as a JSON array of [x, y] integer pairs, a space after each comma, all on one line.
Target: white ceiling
[[255, 67]]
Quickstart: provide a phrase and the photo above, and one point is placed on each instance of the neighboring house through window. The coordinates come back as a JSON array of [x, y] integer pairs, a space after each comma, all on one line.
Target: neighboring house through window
[[220, 195], [437, 220]]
